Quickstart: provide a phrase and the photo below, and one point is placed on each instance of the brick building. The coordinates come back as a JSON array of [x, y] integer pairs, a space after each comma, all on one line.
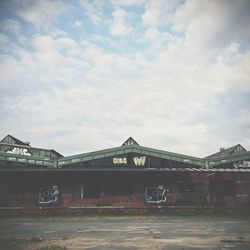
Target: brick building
[[129, 176]]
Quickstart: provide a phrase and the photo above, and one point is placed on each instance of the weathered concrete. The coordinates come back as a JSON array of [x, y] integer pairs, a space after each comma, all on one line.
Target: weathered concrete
[[133, 232]]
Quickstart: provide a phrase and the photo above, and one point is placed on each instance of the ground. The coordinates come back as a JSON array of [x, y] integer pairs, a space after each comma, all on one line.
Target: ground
[[125, 232]]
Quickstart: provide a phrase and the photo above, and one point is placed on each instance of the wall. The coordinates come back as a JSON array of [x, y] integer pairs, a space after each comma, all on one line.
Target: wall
[[126, 188]]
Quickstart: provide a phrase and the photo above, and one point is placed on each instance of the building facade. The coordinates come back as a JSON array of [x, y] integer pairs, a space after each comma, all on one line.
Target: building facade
[[129, 176]]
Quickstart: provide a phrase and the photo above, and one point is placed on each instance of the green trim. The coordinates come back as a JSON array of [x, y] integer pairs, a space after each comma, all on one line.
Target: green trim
[[30, 160], [229, 158], [132, 149], [59, 163]]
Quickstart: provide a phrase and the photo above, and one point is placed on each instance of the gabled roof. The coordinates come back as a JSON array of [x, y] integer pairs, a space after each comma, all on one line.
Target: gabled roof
[[228, 151], [89, 161], [13, 140], [130, 141], [10, 140], [131, 149]]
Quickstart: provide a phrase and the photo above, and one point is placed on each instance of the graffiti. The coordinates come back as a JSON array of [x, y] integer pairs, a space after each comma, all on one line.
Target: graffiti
[[119, 160], [19, 151], [242, 164], [140, 161], [49, 195], [155, 195]]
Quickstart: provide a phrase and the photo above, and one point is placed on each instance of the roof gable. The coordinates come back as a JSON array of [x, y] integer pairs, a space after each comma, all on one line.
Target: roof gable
[[130, 141], [228, 151], [136, 149], [12, 140], [10, 144]]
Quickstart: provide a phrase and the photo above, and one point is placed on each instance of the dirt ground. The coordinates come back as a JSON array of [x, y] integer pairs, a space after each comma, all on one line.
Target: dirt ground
[[125, 232]]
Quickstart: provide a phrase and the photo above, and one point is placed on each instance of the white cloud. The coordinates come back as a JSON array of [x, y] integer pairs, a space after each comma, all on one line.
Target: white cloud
[[214, 24], [4, 40], [93, 9], [120, 26], [192, 98], [78, 24], [152, 33], [41, 13], [127, 2], [159, 12], [43, 43], [11, 25]]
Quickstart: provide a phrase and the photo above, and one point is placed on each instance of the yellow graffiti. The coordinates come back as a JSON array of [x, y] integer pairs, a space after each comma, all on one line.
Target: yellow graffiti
[[140, 161], [119, 160]]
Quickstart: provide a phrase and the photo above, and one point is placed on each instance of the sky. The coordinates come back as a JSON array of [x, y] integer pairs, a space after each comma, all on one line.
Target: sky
[[79, 76]]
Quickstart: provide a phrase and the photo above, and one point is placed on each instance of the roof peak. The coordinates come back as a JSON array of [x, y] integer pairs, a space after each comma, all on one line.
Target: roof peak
[[130, 141], [238, 148], [10, 139]]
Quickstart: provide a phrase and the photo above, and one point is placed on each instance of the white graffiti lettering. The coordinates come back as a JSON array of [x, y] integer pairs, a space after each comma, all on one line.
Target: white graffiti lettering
[[242, 164], [155, 195], [49, 195], [19, 151], [140, 161]]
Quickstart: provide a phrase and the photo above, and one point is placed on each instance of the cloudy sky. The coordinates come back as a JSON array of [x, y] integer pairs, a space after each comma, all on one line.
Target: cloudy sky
[[82, 75]]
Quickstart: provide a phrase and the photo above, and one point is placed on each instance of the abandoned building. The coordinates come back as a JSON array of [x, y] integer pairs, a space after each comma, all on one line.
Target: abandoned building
[[129, 176]]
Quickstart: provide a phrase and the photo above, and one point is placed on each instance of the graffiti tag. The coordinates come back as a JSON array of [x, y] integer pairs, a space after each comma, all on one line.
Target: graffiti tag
[[242, 164], [49, 195], [119, 160], [140, 161], [155, 195], [19, 151]]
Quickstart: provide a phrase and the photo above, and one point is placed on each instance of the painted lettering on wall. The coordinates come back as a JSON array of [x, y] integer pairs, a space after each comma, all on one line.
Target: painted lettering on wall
[[120, 160], [19, 151], [140, 161]]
